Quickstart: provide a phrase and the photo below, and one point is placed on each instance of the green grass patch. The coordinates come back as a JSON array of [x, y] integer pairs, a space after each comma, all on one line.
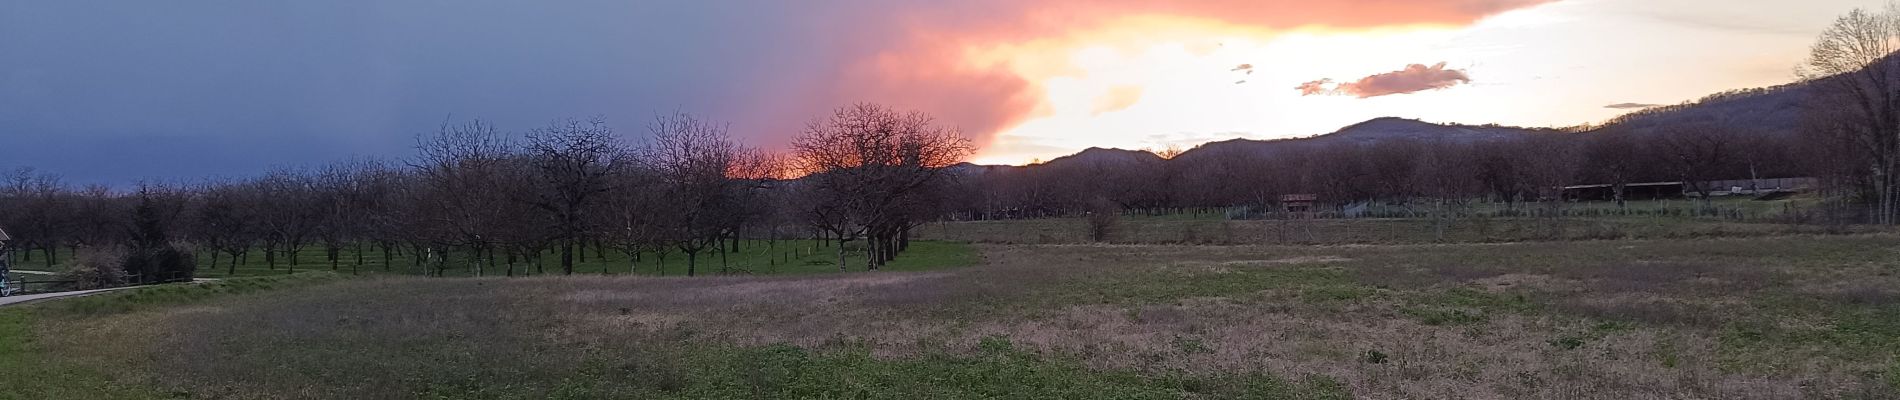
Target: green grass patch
[[30, 371], [1169, 286], [1463, 305], [27, 371], [180, 293], [995, 370]]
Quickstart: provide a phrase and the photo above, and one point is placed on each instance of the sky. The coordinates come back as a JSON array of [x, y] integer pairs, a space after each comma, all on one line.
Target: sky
[[116, 91]]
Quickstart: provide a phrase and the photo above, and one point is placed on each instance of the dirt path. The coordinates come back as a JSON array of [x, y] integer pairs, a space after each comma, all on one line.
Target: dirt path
[[11, 300]]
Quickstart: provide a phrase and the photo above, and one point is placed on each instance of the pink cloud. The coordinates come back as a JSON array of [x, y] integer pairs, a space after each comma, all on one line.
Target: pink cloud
[[1414, 78]]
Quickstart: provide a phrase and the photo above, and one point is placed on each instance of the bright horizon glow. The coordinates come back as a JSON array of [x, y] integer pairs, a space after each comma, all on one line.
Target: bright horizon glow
[[1152, 82]]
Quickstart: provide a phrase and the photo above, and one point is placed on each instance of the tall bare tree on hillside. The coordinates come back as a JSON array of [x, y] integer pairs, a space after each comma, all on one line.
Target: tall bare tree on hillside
[[1858, 87]]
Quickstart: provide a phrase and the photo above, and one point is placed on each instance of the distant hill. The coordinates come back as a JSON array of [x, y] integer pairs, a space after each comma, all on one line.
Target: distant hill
[[1387, 129], [1376, 130], [1097, 156], [1772, 110]]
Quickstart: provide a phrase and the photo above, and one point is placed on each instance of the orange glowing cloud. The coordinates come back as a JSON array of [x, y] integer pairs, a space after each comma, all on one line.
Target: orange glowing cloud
[[982, 65], [1117, 98]]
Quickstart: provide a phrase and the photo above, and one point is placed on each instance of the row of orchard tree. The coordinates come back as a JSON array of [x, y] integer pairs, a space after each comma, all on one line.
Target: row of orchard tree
[[497, 201]]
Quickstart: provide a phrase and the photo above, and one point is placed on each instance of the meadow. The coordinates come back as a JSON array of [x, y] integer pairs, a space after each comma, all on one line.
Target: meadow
[[1757, 317]]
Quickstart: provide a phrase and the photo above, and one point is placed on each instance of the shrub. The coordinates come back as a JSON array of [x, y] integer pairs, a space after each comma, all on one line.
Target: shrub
[[1374, 357], [160, 264], [95, 268]]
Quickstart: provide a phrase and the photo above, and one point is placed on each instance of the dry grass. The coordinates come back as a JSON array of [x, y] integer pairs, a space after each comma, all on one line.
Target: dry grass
[[1363, 231], [1769, 318]]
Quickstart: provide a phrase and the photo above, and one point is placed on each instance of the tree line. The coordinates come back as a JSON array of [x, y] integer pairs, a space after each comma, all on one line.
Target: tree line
[[866, 174], [1528, 169]]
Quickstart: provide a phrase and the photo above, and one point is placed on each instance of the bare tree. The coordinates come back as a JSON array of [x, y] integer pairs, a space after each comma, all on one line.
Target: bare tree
[[1858, 86], [468, 176], [289, 215], [1695, 153], [1614, 157], [1443, 176], [1549, 164], [864, 163], [36, 216], [692, 160], [220, 225], [573, 162]]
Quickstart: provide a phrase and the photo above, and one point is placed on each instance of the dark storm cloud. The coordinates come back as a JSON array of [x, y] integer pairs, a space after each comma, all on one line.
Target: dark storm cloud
[[129, 90], [111, 91]]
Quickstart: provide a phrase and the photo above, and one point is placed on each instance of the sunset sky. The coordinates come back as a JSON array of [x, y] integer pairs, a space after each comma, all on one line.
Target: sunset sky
[[115, 91]]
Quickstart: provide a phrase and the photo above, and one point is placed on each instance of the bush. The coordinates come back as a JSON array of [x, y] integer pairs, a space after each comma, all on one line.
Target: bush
[[95, 268], [163, 263]]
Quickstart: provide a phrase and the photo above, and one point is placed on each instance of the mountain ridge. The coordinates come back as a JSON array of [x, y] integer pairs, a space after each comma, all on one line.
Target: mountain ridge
[[1773, 110]]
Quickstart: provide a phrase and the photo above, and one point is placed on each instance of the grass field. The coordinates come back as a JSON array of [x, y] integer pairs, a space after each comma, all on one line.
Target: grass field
[[1215, 231], [1732, 318], [1728, 207]]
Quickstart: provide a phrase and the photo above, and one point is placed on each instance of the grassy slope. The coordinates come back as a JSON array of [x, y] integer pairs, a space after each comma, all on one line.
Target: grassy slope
[[30, 370], [1730, 318], [1170, 230]]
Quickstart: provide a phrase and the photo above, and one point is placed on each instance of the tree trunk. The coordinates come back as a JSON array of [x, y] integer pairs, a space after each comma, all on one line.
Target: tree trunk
[[841, 266], [491, 258], [692, 259], [567, 257], [870, 253], [903, 239]]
